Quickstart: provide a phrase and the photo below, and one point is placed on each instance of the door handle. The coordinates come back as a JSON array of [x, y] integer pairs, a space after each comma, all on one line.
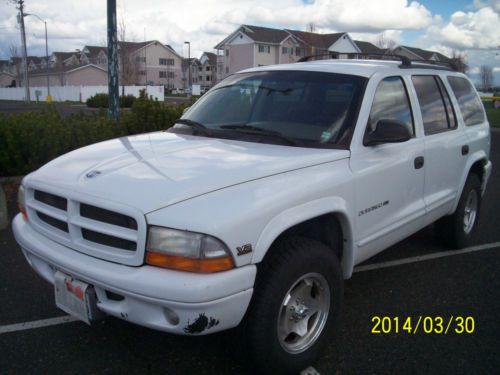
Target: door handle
[[465, 149], [419, 162]]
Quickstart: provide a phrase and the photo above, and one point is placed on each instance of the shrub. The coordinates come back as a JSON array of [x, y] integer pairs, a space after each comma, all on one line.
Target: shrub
[[127, 101], [29, 140], [98, 101], [101, 101]]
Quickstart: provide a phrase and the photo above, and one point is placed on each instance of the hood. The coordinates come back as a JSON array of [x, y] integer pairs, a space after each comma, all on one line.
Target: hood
[[154, 170]]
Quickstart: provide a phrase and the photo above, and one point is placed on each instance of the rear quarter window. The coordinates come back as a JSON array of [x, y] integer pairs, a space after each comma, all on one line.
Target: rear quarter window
[[469, 103]]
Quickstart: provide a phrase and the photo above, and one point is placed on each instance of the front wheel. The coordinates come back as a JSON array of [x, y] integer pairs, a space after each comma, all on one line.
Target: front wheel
[[456, 230], [296, 305]]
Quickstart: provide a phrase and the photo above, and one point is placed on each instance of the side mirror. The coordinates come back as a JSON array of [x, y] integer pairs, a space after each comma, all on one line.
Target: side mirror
[[387, 131]]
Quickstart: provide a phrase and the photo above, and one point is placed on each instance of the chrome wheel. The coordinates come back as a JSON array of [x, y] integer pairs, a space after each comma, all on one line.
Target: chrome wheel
[[303, 313], [470, 212]]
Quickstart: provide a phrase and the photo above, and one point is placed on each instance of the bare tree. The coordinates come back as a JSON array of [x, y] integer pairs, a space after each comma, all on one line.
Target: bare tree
[[311, 28], [459, 61], [129, 66], [486, 75], [16, 67], [385, 42]]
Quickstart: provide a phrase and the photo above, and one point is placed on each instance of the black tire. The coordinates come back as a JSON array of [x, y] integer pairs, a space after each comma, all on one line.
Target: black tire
[[290, 260], [451, 230]]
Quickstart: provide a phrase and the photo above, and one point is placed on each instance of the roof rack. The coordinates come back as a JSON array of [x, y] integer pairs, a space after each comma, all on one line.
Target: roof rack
[[406, 63]]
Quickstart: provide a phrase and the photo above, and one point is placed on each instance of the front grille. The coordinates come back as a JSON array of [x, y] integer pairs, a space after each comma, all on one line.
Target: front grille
[[111, 231], [106, 216], [59, 224]]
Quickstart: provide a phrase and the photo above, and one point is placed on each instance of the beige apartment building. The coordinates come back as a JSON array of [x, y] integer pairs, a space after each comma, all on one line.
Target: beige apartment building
[[252, 46]]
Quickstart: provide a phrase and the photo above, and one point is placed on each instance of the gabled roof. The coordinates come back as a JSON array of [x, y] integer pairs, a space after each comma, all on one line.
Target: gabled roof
[[323, 41], [423, 53], [63, 69], [63, 55], [367, 47], [264, 34], [93, 51], [212, 58]]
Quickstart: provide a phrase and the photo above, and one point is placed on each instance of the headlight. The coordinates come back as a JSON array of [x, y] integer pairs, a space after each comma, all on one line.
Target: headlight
[[21, 202], [186, 251]]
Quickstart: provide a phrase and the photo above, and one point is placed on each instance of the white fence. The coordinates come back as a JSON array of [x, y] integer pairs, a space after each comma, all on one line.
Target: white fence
[[76, 93]]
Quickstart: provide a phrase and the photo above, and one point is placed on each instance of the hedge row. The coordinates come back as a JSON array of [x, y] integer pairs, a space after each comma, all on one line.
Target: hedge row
[[101, 101], [29, 140]]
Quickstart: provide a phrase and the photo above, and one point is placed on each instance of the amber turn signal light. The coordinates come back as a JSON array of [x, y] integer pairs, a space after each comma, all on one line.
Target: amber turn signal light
[[208, 265]]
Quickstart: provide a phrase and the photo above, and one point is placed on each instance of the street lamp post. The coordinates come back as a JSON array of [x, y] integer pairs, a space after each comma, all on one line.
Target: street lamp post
[[189, 66], [49, 98]]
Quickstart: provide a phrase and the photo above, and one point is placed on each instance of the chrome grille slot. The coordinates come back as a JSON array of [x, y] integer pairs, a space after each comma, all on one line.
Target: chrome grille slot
[[61, 225], [107, 240], [51, 200]]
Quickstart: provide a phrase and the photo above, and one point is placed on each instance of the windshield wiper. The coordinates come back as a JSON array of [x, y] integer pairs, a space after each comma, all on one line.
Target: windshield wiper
[[198, 126], [250, 129]]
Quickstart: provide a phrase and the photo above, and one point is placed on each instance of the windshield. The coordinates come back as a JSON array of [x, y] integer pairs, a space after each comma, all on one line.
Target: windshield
[[308, 109]]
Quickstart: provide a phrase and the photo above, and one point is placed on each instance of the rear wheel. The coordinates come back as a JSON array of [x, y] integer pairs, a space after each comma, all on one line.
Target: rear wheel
[[295, 307], [456, 230]]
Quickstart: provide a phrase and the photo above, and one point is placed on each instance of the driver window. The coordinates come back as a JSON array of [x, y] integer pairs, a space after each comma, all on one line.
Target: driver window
[[390, 103]]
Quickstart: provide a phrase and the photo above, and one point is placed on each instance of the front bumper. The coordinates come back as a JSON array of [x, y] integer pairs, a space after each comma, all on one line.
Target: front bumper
[[166, 300]]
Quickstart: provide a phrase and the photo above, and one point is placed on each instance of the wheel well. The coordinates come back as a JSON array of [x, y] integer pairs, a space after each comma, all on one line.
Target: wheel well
[[478, 169], [326, 229]]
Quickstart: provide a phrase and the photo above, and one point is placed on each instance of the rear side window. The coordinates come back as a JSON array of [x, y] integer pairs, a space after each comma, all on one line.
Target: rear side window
[[437, 112], [390, 103], [468, 101]]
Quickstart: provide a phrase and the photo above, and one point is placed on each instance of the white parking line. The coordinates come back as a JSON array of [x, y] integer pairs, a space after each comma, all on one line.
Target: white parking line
[[420, 258], [68, 319], [37, 324]]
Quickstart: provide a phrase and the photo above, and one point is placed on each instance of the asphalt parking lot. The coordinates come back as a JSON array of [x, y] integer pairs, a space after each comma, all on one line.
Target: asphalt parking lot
[[464, 284]]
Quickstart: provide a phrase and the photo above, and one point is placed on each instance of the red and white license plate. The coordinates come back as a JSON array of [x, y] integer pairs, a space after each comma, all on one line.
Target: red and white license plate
[[75, 297]]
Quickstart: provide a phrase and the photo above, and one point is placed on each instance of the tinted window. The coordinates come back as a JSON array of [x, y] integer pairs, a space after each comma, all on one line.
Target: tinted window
[[468, 101], [432, 104], [390, 103], [318, 109], [450, 113]]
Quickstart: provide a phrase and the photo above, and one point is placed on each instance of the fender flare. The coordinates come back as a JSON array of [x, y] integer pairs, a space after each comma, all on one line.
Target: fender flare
[[298, 214], [474, 158]]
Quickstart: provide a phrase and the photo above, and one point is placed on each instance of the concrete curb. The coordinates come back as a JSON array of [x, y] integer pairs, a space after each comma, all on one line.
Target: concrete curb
[[4, 217]]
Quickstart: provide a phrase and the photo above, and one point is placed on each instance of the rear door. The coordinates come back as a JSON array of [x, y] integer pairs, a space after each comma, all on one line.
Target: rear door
[[445, 145]]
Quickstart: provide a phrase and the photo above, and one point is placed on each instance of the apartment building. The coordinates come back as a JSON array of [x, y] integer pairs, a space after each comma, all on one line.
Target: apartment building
[[251, 46]]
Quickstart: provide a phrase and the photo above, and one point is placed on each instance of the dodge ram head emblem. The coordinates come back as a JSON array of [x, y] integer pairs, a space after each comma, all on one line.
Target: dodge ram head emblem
[[93, 174]]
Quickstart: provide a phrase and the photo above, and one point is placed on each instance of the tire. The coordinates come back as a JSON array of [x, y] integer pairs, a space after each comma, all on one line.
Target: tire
[[455, 231], [309, 273]]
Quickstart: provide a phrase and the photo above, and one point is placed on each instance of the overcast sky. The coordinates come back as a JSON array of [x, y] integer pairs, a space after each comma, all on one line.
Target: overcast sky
[[471, 26]]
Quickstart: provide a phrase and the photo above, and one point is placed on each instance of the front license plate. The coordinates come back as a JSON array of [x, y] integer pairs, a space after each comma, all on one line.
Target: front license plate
[[74, 297]]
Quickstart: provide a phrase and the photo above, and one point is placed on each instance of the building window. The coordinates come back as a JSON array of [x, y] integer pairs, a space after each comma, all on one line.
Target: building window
[[227, 69], [163, 74], [170, 62], [208, 78], [140, 59], [200, 69], [163, 61], [142, 72], [207, 69], [227, 52], [170, 75], [263, 48], [299, 51], [286, 50]]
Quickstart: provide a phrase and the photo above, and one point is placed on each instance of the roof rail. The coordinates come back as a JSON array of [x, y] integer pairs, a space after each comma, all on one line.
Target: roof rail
[[405, 61]]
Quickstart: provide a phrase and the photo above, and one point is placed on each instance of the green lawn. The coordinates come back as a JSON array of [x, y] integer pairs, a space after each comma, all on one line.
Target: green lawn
[[493, 114]]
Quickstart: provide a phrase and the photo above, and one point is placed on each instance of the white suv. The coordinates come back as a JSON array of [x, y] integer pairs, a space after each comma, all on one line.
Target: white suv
[[259, 202]]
